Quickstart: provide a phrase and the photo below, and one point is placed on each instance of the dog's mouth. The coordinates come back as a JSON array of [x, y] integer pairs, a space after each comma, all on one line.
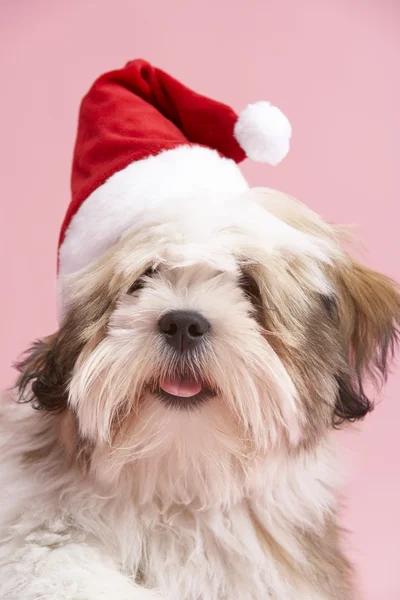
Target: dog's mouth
[[182, 392], [181, 388]]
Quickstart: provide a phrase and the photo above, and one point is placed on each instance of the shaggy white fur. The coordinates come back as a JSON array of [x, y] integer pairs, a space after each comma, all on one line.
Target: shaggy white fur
[[66, 539], [115, 490]]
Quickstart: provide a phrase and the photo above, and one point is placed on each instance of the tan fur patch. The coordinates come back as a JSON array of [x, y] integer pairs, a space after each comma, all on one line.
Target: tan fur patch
[[369, 314], [324, 569]]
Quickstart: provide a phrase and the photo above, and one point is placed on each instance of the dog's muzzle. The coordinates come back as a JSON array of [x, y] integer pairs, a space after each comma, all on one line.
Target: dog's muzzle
[[183, 331]]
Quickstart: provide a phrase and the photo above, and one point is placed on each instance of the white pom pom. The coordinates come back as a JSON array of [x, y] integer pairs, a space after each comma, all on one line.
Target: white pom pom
[[263, 132]]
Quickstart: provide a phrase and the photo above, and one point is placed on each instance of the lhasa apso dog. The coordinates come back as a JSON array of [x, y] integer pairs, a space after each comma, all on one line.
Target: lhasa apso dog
[[183, 448]]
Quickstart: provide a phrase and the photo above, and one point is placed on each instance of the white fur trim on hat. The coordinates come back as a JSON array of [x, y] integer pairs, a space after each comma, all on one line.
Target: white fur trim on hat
[[138, 190], [263, 132]]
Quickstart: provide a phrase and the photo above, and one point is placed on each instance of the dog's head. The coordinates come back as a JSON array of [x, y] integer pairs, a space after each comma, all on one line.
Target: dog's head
[[205, 340]]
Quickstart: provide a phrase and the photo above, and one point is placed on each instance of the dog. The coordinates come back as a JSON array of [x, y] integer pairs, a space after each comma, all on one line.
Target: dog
[[174, 439], [183, 445]]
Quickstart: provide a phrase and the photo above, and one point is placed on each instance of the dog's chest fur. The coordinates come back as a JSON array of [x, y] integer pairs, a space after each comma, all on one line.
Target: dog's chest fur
[[233, 556], [278, 541]]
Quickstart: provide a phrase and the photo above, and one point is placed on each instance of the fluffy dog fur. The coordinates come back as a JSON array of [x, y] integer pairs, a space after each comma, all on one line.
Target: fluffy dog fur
[[110, 493]]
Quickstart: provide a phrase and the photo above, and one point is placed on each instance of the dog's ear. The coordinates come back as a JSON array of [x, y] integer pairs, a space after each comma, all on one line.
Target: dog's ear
[[369, 315], [46, 369]]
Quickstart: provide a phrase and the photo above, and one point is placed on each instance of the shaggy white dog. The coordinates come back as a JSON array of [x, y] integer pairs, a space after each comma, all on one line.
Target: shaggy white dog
[[183, 447]]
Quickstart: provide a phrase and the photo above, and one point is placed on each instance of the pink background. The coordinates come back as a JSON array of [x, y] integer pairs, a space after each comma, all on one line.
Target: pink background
[[329, 64]]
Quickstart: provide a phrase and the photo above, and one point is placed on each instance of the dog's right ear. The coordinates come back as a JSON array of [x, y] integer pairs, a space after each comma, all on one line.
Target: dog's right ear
[[47, 367], [45, 372]]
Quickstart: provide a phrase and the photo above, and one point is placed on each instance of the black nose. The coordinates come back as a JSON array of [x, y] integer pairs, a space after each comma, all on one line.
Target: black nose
[[183, 329]]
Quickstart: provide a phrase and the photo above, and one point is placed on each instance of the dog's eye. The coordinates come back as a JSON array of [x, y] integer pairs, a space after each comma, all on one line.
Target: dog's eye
[[139, 283], [330, 304], [251, 289]]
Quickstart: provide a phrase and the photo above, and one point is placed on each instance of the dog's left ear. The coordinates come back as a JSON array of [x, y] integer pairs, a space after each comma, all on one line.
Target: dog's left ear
[[369, 315]]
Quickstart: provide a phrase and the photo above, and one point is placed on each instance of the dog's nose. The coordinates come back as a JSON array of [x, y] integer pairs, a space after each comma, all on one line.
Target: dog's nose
[[183, 329]]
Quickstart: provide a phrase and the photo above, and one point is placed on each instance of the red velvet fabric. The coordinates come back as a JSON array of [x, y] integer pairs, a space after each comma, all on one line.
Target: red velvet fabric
[[139, 111]]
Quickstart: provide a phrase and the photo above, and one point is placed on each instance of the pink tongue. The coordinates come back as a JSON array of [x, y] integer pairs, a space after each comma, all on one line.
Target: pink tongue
[[181, 387]]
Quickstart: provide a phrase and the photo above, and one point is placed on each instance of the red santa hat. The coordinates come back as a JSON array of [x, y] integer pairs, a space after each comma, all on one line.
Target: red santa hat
[[143, 138]]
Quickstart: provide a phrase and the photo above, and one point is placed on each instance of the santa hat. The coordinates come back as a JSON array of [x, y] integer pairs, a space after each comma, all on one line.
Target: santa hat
[[143, 138]]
